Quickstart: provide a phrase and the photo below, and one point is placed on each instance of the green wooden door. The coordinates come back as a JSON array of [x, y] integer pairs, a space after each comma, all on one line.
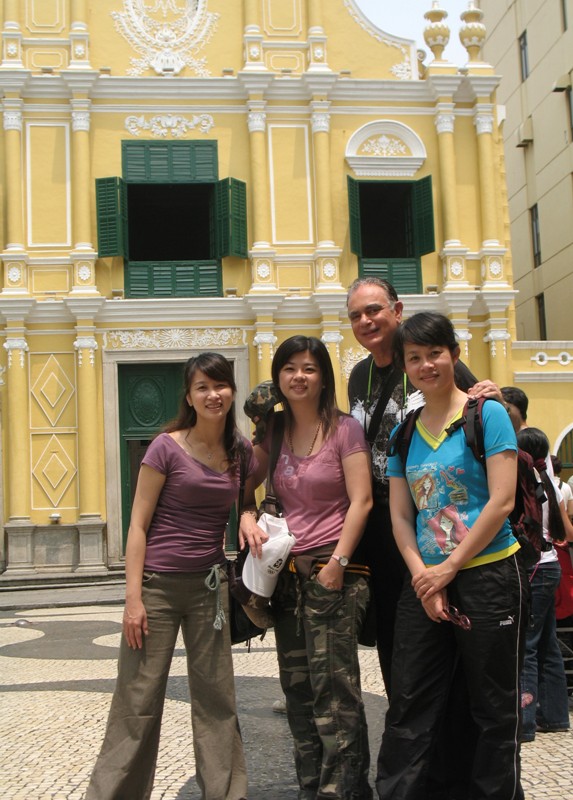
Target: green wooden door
[[148, 396]]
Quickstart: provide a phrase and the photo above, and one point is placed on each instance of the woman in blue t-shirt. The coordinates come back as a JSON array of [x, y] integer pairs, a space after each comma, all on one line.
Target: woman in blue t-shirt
[[464, 599]]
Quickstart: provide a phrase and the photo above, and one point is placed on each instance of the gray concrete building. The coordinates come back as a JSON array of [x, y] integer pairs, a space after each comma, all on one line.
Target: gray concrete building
[[530, 43]]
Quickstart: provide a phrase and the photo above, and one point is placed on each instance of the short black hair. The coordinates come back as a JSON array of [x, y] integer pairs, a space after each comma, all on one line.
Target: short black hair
[[557, 465], [517, 398], [427, 328]]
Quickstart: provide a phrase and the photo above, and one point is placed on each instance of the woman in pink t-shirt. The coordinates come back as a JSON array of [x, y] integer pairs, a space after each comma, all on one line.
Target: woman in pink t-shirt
[[323, 483], [176, 581]]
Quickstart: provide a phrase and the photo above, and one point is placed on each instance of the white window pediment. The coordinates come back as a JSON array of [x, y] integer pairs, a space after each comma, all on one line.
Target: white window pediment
[[385, 149]]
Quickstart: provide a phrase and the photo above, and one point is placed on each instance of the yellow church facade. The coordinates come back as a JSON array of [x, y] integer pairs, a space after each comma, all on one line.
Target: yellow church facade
[[183, 175]]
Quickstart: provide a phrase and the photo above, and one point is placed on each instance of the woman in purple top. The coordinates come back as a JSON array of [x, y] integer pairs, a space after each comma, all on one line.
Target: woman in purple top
[[323, 483], [176, 580]]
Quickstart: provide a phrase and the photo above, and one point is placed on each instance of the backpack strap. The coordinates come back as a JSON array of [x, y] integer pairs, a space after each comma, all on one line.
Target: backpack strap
[[399, 442]]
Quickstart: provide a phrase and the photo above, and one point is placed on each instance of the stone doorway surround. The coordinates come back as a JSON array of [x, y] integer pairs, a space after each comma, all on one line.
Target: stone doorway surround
[[131, 346]]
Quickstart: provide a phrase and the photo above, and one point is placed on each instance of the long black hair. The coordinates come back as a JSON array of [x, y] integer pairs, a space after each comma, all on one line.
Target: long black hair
[[327, 408], [536, 443], [218, 368]]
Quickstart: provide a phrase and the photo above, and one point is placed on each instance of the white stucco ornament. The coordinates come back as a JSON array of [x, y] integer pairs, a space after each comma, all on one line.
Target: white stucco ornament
[[14, 274], [167, 34], [84, 273], [263, 270]]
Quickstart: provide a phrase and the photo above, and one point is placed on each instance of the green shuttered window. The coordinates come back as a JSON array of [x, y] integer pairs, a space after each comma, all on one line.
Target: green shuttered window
[[206, 217], [391, 228]]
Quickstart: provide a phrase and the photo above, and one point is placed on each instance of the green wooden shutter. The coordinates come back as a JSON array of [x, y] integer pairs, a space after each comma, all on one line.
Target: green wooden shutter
[[111, 217], [230, 218], [206, 162], [403, 273], [423, 217], [135, 162], [170, 162], [354, 214]]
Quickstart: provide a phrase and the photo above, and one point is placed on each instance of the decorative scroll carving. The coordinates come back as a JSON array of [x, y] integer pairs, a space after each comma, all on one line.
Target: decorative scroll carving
[[167, 34], [172, 339], [169, 124]]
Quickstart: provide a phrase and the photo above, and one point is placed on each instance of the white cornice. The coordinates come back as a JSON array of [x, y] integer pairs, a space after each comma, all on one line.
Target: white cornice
[[272, 86]]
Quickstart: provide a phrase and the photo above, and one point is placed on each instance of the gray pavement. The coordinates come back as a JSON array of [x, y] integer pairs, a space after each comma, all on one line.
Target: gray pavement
[[58, 651]]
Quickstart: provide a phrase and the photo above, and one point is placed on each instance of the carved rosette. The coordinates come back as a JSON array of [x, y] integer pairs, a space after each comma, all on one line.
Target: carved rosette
[[79, 48], [83, 344], [173, 339], [327, 272], [455, 266], [12, 50], [84, 273], [16, 347], [263, 271], [15, 275], [492, 268]]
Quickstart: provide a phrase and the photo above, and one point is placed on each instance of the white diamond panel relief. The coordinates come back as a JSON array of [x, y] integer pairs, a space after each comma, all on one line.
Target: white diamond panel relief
[[52, 390], [54, 471]]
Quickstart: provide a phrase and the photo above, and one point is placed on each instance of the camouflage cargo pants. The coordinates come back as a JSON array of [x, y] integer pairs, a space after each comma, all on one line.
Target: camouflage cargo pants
[[320, 677]]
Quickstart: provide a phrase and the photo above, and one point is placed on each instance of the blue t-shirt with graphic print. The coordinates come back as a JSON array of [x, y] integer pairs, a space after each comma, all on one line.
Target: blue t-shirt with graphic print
[[449, 487]]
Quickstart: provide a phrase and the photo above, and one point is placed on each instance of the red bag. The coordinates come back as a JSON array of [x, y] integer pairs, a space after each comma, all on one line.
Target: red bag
[[564, 593]]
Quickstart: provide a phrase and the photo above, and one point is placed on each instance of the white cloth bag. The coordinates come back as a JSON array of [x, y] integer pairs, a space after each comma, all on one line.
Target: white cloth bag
[[260, 575]]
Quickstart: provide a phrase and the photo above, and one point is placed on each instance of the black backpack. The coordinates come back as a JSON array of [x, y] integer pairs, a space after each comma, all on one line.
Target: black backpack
[[527, 516]]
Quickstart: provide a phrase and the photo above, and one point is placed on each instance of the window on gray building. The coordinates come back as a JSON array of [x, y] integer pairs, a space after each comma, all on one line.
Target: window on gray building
[[535, 235], [523, 56], [540, 300]]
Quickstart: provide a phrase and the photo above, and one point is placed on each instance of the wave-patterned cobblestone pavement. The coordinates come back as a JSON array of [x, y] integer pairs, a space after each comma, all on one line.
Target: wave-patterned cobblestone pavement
[[57, 673]]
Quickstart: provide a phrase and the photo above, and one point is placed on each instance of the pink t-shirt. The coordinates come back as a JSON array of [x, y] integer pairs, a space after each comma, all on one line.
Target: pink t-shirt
[[312, 490], [187, 530]]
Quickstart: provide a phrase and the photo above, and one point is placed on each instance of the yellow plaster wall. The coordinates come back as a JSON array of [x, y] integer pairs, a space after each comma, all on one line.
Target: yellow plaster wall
[[291, 187], [361, 47], [49, 180]]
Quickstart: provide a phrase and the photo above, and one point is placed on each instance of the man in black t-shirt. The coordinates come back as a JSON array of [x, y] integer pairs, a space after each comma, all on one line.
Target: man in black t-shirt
[[375, 312]]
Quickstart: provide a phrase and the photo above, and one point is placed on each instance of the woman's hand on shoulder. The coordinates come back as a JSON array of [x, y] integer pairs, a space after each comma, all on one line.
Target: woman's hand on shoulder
[[135, 623], [487, 389], [250, 534]]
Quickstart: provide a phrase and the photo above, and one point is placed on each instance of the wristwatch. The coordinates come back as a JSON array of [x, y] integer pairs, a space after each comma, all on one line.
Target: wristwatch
[[342, 560]]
